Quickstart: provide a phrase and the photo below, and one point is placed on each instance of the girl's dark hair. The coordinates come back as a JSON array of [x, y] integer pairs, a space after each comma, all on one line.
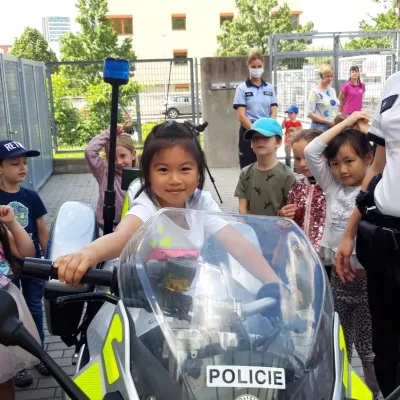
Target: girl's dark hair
[[7, 250], [306, 134], [351, 137], [355, 68], [163, 136]]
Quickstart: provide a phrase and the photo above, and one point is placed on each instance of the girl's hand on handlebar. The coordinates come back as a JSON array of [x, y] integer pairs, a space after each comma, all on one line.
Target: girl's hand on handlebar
[[72, 267]]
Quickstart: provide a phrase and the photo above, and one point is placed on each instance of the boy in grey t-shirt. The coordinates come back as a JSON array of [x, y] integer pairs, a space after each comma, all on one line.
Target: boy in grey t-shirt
[[263, 187]]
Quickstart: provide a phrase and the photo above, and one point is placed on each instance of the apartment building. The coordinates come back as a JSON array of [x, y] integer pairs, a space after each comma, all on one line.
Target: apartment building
[[176, 28]]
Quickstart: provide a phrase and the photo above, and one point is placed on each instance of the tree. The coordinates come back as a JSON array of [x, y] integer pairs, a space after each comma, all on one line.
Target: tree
[[32, 45], [256, 21], [388, 19], [95, 41]]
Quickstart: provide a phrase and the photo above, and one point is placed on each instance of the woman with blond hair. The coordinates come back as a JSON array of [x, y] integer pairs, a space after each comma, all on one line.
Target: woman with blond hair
[[322, 100]]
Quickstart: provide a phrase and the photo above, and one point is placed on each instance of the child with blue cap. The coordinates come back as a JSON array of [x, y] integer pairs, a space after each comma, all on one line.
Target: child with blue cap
[[264, 185]]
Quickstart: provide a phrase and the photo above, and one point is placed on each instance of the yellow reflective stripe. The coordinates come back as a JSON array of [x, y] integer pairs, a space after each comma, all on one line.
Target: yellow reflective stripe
[[342, 346], [89, 381], [110, 362], [125, 206], [359, 390]]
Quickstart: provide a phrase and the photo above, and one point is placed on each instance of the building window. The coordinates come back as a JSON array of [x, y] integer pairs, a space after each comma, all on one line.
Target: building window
[[180, 54], [225, 17], [122, 24], [178, 22], [182, 87], [294, 19]]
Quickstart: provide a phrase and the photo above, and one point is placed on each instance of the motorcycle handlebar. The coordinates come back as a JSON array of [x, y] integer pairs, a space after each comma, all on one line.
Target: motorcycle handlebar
[[37, 268]]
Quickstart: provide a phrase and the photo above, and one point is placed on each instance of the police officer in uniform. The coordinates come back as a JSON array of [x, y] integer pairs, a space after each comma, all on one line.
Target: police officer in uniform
[[254, 99], [376, 222]]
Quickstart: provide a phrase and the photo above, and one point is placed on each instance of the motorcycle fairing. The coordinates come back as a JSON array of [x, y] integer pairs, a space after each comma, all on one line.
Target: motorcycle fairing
[[347, 382], [109, 371]]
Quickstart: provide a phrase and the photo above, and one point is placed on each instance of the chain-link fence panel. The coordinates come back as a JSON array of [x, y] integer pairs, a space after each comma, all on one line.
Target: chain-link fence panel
[[295, 60], [81, 101]]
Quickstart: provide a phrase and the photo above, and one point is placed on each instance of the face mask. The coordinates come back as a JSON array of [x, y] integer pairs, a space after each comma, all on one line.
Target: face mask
[[256, 72]]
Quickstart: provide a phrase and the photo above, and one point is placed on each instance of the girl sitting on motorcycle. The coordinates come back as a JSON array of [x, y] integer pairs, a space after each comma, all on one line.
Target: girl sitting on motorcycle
[[125, 157], [173, 169], [14, 242]]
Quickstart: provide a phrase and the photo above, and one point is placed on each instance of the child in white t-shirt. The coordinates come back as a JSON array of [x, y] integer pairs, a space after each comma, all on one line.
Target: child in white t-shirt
[[173, 168]]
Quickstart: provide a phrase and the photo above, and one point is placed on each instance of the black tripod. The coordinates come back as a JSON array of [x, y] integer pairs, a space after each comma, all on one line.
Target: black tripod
[[198, 129]]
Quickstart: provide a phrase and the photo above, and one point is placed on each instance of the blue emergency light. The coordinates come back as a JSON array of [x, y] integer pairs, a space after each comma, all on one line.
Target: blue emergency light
[[116, 71]]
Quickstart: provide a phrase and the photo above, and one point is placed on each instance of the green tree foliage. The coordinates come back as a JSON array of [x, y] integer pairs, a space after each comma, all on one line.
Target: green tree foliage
[[67, 117], [95, 41], [96, 112], [32, 46], [255, 22], [388, 19]]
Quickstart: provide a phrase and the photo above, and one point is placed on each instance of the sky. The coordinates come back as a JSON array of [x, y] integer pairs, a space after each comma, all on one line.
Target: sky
[[327, 15]]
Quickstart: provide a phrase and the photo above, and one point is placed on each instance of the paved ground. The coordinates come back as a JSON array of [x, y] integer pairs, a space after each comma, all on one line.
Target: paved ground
[[61, 188]]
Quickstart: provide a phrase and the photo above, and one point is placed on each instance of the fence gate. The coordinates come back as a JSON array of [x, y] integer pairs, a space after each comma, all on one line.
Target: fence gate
[[80, 101], [24, 113], [294, 73]]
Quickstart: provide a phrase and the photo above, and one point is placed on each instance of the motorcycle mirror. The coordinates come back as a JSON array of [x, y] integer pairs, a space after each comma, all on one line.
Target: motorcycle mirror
[[13, 333]]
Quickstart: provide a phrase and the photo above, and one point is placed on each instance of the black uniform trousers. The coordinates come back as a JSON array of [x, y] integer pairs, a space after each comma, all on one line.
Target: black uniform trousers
[[378, 251], [246, 153]]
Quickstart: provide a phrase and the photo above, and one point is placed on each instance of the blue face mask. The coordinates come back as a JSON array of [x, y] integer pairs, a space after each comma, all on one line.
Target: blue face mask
[[256, 72]]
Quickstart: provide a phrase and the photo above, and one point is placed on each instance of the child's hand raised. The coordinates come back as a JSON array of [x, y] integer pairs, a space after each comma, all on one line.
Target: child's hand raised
[[7, 215], [121, 128], [288, 211], [359, 119]]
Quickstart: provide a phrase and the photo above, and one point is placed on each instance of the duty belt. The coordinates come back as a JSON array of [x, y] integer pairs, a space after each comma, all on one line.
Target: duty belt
[[388, 228]]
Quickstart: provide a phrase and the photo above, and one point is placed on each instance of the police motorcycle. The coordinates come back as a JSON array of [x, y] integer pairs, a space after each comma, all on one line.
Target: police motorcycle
[[183, 320]]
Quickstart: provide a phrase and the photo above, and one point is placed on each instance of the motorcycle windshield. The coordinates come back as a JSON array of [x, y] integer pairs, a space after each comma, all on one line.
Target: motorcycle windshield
[[241, 304]]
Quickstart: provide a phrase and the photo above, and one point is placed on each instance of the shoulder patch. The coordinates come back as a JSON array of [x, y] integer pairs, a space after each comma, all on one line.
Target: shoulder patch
[[387, 103]]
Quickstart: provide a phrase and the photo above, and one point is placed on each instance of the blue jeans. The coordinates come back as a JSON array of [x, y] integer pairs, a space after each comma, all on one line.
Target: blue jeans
[[317, 125], [33, 289]]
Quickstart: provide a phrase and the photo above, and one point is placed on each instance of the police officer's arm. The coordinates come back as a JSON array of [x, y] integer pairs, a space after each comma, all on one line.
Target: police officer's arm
[[343, 267], [273, 110], [244, 121], [239, 104]]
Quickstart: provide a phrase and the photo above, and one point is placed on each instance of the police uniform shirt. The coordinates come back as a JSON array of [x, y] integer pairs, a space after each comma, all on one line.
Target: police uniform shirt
[[256, 99], [385, 131]]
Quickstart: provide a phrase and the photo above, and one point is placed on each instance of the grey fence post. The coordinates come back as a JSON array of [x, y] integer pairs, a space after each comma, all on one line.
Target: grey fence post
[[196, 104], [270, 58], [7, 111], [192, 87], [53, 127], [335, 60], [138, 117], [25, 117], [275, 63]]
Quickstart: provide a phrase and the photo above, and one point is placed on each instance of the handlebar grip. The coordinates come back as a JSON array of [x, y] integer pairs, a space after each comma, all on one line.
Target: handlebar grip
[[38, 268]]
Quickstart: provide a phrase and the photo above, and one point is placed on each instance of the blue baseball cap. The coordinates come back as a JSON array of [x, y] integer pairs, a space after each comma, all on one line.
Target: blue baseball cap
[[293, 109], [12, 149], [265, 126]]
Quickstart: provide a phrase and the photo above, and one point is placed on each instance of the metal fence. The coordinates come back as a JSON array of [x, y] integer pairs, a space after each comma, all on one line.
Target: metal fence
[[294, 73], [24, 113], [80, 101]]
